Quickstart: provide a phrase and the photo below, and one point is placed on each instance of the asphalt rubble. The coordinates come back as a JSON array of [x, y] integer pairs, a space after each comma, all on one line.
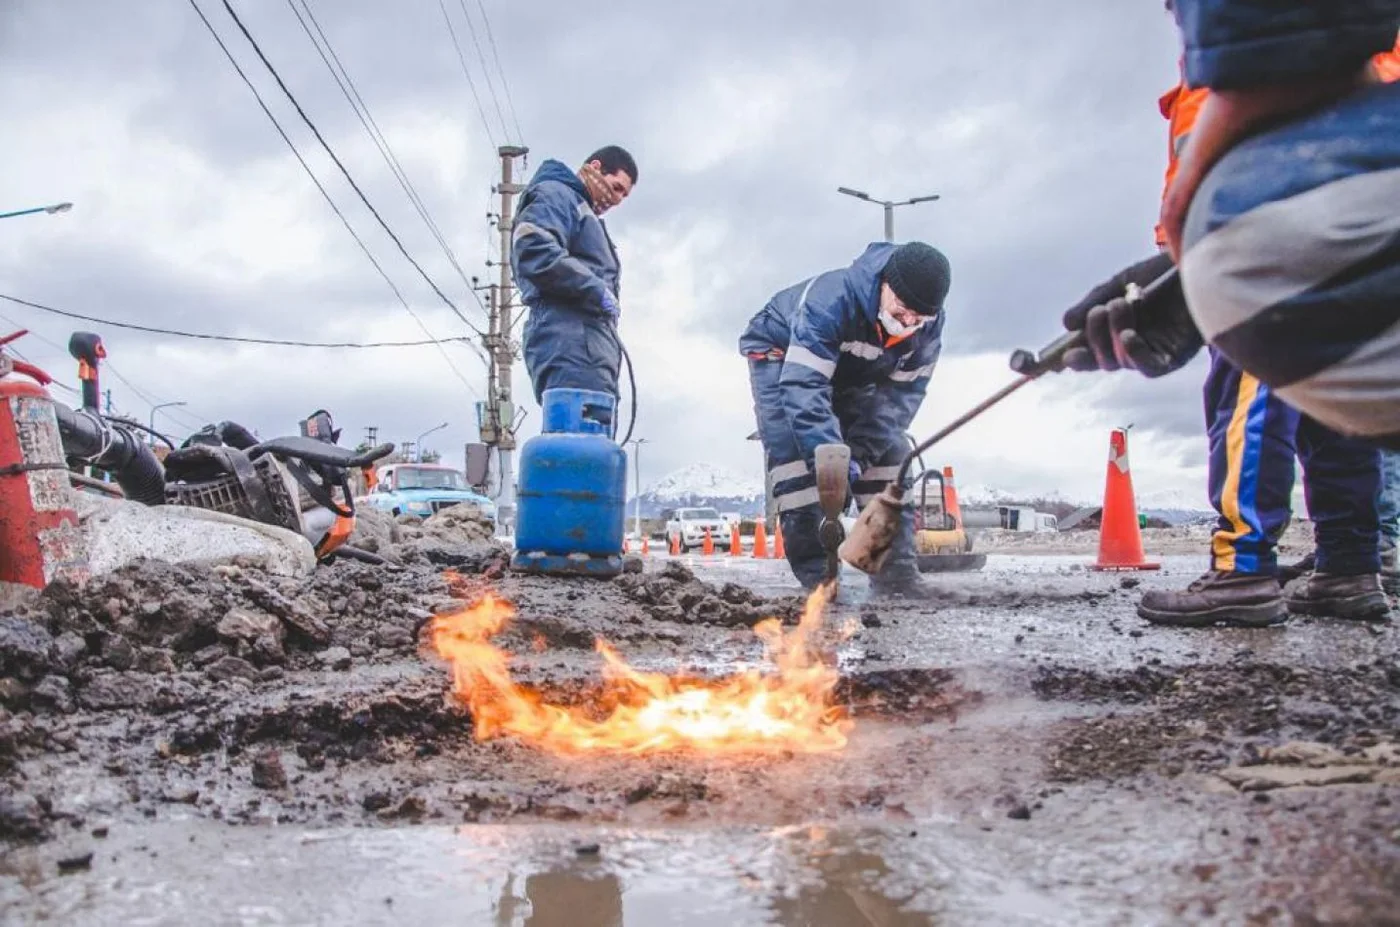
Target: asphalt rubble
[[240, 697]]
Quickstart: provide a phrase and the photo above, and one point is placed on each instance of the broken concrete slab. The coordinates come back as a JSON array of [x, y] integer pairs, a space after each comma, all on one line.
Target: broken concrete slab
[[120, 532], [1300, 753], [1269, 777]]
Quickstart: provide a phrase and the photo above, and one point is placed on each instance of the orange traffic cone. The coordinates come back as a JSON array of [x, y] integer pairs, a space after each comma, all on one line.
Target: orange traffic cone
[[760, 540], [950, 487], [709, 549], [1120, 538], [646, 546], [626, 544], [675, 545], [778, 552], [736, 546]]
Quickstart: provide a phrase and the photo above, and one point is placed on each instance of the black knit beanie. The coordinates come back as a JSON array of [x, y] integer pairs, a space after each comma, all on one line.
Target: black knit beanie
[[919, 275]]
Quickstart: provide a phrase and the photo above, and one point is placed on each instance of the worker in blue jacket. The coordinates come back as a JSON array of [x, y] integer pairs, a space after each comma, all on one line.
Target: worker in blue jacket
[[569, 274], [845, 357]]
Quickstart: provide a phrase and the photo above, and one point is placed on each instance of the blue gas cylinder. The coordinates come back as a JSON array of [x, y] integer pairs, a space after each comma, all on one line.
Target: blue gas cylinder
[[572, 489]]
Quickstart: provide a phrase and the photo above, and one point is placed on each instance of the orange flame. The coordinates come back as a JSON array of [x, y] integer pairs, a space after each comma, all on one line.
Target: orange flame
[[788, 709]]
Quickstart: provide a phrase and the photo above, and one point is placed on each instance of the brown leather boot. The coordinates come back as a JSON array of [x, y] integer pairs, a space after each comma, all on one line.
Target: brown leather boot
[[1359, 598], [1287, 572], [1390, 568], [1247, 600]]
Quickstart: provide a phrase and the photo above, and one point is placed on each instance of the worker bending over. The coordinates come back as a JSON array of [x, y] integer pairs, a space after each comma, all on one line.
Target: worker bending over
[[569, 273], [845, 358]]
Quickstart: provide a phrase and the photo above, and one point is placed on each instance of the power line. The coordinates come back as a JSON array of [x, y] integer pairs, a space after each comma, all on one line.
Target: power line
[[327, 197], [106, 365], [485, 72], [191, 418], [52, 382], [496, 55], [37, 337], [357, 103], [204, 336], [149, 399], [291, 98], [466, 71], [302, 161]]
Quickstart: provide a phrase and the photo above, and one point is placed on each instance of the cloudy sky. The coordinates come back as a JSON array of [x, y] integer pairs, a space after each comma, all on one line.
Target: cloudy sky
[[1036, 122]]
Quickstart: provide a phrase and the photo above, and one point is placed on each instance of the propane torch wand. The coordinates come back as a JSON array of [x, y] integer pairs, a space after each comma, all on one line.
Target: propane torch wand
[[870, 539]]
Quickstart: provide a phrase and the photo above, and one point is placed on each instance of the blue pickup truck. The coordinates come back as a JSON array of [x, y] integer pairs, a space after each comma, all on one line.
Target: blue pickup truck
[[422, 490]]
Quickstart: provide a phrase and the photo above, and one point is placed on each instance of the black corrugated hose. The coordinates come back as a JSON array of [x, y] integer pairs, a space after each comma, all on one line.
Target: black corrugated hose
[[631, 379], [116, 449]]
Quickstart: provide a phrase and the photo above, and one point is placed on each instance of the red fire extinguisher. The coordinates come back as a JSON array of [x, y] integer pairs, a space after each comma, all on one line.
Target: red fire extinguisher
[[40, 539]]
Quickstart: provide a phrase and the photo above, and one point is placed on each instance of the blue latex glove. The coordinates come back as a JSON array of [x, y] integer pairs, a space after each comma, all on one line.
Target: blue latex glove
[[610, 306]]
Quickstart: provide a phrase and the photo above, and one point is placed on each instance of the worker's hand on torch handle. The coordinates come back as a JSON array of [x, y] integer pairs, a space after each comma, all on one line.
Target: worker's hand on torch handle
[[1137, 320]]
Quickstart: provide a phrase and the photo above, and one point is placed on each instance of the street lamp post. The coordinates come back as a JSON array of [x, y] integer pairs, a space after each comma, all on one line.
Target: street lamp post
[[156, 408], [419, 443], [888, 204], [637, 482], [51, 210]]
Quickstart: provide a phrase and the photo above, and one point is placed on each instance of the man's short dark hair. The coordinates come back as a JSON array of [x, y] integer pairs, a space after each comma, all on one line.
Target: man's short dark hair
[[614, 158]]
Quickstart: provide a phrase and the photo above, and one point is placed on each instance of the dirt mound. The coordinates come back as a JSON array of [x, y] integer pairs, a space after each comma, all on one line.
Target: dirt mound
[[460, 524], [123, 639], [375, 531], [676, 595], [460, 537]]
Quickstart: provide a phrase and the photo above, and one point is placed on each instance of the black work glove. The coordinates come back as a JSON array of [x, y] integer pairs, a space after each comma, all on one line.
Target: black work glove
[[1153, 336]]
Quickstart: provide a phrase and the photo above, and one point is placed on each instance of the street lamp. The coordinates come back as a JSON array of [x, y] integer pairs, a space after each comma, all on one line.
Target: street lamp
[[419, 443], [51, 210], [888, 204], [637, 482], [157, 407]]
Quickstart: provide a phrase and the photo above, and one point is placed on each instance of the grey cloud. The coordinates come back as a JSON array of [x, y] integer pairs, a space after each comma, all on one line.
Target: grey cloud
[[1036, 123]]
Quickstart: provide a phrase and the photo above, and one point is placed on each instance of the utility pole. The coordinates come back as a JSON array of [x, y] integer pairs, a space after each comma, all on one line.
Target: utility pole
[[498, 422], [637, 482], [406, 452], [888, 204], [371, 435]]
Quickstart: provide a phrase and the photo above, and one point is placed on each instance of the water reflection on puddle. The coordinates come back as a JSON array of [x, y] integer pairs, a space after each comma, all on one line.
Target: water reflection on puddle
[[762, 879], [507, 876]]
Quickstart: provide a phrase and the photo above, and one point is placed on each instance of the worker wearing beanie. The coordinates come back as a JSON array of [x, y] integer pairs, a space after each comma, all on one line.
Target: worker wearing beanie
[[845, 357]]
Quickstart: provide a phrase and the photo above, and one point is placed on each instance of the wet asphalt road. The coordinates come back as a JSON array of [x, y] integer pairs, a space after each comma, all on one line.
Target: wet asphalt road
[[1063, 790]]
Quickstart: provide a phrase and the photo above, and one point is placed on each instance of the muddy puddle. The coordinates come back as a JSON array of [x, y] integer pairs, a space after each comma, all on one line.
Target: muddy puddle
[[527, 877], [1105, 859]]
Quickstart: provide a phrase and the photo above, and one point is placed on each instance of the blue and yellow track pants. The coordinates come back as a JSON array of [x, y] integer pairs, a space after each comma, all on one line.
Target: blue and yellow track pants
[[1254, 437]]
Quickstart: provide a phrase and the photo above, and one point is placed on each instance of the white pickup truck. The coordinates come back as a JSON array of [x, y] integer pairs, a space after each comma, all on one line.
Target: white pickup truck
[[690, 524]]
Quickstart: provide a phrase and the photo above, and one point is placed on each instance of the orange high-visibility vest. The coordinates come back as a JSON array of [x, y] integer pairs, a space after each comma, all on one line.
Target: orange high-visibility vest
[[1181, 106], [1387, 64]]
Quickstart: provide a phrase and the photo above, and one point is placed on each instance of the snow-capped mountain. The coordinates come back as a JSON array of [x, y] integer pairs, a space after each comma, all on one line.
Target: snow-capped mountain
[[703, 484], [982, 495]]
